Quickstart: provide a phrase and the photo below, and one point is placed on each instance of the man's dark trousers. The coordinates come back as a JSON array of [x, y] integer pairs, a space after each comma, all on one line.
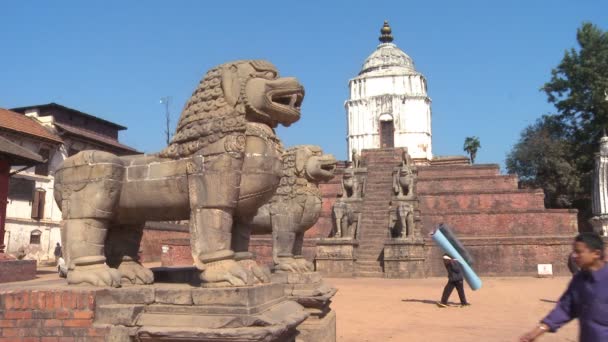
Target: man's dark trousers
[[449, 287]]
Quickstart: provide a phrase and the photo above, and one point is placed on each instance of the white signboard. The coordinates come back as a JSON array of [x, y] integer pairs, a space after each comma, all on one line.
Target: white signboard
[[545, 270], [165, 248]]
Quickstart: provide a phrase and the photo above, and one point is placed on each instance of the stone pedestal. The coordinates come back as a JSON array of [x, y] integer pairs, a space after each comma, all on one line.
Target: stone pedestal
[[52, 310], [309, 290], [177, 312], [404, 258], [336, 257]]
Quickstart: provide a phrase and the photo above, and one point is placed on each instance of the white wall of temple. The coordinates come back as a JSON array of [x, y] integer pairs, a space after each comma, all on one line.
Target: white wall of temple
[[404, 98]]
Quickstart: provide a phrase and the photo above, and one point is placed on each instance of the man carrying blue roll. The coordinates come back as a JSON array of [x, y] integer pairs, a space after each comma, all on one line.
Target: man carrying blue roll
[[455, 280]]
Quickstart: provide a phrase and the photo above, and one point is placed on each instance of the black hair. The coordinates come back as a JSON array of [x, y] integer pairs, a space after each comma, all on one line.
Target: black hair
[[593, 241]]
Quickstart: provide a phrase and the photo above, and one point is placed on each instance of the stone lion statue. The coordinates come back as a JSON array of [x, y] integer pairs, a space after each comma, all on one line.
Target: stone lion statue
[[293, 209], [223, 163]]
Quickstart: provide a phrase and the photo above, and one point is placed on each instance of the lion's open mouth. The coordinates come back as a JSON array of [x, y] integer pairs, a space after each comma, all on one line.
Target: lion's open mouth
[[293, 100], [329, 167]]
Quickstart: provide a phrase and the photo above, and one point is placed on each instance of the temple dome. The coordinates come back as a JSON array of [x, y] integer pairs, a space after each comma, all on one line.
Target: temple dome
[[387, 57]]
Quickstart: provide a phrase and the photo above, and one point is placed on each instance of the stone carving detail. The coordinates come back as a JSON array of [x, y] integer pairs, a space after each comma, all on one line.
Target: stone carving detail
[[295, 207], [356, 159], [352, 186], [403, 178], [346, 221], [347, 209], [401, 220], [223, 163], [599, 199]]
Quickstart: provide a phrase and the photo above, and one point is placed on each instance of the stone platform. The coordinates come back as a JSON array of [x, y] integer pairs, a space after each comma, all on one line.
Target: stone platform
[[160, 312]]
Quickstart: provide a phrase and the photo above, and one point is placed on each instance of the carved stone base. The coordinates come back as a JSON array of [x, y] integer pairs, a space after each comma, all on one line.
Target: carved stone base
[[181, 312], [309, 290], [336, 257], [404, 258], [600, 225]]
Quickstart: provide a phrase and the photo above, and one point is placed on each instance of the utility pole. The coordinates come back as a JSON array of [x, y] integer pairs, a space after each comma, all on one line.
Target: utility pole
[[166, 100]]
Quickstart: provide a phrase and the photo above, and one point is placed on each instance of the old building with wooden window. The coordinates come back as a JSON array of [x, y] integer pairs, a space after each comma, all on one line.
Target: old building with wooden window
[[54, 132]]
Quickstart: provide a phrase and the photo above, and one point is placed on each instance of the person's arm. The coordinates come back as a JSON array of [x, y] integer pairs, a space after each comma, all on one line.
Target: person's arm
[[560, 315]]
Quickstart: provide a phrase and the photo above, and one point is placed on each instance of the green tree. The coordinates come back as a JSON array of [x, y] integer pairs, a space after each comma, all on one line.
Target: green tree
[[471, 145], [556, 153], [578, 89], [542, 159]]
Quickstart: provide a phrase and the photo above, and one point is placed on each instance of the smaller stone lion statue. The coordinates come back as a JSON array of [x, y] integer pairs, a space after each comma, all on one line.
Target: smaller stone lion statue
[[293, 209]]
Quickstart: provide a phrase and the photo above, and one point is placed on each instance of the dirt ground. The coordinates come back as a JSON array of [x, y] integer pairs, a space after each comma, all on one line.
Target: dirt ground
[[404, 310]]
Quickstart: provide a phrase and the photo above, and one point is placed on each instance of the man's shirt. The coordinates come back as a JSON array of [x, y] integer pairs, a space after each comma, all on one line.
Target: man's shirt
[[586, 299]]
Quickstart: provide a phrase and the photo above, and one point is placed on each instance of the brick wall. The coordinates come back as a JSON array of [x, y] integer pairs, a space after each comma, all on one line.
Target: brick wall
[[17, 270], [48, 316], [154, 235]]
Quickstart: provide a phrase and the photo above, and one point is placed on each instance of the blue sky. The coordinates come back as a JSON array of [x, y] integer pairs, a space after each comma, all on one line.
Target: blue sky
[[484, 61]]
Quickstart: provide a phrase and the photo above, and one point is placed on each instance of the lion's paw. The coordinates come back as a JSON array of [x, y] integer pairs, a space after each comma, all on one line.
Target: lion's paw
[[225, 273], [95, 275], [134, 273], [304, 265], [260, 273], [287, 264]]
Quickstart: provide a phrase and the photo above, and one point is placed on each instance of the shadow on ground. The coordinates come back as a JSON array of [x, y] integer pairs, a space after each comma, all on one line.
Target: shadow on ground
[[426, 301], [548, 301]]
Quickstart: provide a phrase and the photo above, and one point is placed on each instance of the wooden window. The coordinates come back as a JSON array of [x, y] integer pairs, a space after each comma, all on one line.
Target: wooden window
[[43, 168], [35, 237], [38, 204]]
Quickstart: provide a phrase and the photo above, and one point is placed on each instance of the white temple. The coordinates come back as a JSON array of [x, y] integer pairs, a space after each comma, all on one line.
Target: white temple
[[600, 189], [388, 104]]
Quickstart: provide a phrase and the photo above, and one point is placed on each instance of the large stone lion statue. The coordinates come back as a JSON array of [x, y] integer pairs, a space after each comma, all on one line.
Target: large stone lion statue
[[223, 163], [293, 209]]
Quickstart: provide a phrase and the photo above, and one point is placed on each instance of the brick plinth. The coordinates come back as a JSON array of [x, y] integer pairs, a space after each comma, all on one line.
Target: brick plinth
[[16, 270], [48, 315]]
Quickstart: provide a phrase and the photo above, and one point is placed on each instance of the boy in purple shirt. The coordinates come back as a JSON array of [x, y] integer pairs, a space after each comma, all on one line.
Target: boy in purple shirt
[[586, 297]]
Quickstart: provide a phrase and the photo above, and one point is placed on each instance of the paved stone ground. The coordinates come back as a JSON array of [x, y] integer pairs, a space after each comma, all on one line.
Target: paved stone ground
[[404, 310]]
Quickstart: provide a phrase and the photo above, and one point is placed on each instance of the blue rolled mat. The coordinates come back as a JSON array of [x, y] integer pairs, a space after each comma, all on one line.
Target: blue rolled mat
[[469, 275], [447, 232]]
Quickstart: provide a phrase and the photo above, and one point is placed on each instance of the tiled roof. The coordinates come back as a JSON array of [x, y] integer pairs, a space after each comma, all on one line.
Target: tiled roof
[[83, 133], [54, 105], [18, 155], [22, 124]]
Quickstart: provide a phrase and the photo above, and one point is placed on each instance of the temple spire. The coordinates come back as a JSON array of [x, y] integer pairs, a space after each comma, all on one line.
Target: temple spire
[[385, 33]]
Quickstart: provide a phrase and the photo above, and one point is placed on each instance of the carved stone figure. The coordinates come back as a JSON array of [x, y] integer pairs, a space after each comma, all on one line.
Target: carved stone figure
[[356, 159], [404, 216], [293, 209], [223, 163], [352, 186], [403, 178], [346, 221]]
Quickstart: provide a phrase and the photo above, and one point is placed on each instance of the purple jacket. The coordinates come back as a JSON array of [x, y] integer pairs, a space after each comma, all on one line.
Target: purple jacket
[[586, 299]]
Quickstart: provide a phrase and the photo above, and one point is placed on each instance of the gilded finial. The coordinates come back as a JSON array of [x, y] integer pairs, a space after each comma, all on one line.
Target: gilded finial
[[385, 33]]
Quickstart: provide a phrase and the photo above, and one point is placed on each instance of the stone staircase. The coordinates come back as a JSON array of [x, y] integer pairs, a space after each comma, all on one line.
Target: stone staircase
[[376, 202]]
